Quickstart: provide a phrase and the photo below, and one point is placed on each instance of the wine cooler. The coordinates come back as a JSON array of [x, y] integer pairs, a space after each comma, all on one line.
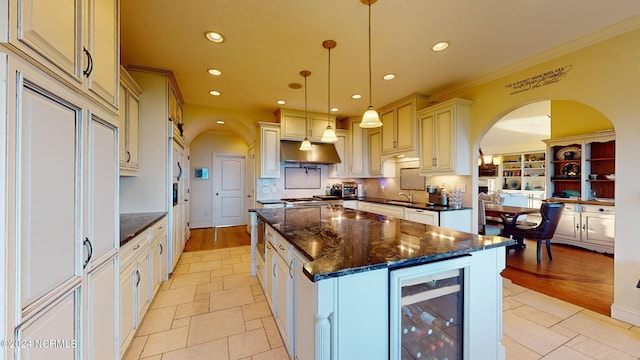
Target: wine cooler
[[427, 308]]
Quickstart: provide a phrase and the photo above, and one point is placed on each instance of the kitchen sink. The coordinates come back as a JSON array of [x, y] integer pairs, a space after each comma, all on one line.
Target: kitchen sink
[[400, 202]]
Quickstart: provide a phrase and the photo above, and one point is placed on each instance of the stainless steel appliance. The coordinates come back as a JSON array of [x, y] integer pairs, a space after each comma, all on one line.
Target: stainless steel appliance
[[345, 190], [437, 196], [175, 193]]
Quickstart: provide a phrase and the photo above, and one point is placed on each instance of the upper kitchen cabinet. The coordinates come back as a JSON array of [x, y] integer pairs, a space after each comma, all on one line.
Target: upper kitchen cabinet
[[75, 40], [444, 138], [269, 157], [357, 149], [129, 117], [293, 124], [399, 130]]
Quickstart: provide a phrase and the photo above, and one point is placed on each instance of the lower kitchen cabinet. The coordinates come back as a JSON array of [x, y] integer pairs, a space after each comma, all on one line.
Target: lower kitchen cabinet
[[422, 216], [135, 286], [587, 226], [159, 266]]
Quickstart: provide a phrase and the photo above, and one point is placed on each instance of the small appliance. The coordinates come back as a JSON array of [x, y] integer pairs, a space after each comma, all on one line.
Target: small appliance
[[345, 190], [437, 196]]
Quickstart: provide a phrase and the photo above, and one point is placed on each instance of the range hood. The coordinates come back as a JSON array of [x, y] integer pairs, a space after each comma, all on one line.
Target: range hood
[[321, 153]]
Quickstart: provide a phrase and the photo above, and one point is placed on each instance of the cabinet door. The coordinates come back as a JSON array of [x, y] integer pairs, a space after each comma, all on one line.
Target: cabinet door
[[422, 216], [375, 154], [305, 322], [103, 44], [143, 284], [569, 226], [388, 134], [444, 140], [598, 228], [318, 123], [48, 154], [282, 296], [133, 123], [60, 321], [405, 127], [122, 125], [269, 275], [52, 30], [100, 322], [270, 152], [128, 309], [357, 155], [101, 188], [293, 127], [427, 136], [156, 266]]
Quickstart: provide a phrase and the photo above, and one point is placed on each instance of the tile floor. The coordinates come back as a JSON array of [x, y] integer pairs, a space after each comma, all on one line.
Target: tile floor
[[211, 308]]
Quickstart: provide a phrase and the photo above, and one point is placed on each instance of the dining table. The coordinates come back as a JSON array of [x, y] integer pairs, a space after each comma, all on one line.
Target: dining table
[[508, 214]]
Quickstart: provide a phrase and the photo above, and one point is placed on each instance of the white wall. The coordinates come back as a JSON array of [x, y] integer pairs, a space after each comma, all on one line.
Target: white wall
[[202, 148]]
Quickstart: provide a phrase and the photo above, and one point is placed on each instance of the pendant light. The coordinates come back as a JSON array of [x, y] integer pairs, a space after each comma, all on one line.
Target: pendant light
[[370, 118], [306, 144], [329, 134]]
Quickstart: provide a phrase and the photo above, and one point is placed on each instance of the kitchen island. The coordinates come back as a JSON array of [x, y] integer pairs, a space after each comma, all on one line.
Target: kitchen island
[[329, 275]]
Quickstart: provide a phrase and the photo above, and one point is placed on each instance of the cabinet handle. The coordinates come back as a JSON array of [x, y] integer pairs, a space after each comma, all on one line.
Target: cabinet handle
[[136, 247], [161, 249], [578, 227], [584, 227], [128, 156], [138, 275], [290, 269], [281, 247], [274, 270], [419, 211], [87, 244], [259, 266], [86, 72], [180, 173]]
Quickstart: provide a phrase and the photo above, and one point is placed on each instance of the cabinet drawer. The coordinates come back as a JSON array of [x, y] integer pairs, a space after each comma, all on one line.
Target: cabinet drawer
[[283, 248], [133, 248], [599, 209], [422, 216], [388, 210], [159, 229]]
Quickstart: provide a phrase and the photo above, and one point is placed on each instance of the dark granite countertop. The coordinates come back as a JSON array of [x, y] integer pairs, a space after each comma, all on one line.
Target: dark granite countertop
[[338, 241], [414, 205], [134, 223], [273, 201]]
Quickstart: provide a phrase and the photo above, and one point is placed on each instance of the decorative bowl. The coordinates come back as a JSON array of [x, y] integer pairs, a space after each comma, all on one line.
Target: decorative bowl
[[610, 177]]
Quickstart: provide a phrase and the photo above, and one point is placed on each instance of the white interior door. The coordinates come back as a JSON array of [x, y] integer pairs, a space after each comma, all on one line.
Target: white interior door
[[228, 193]]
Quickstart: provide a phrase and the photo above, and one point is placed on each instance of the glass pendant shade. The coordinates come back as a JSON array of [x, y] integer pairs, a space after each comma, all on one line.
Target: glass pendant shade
[[329, 135], [370, 119], [305, 145]]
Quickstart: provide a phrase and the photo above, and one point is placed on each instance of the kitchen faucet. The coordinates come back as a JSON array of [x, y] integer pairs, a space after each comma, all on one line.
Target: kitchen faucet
[[410, 196]]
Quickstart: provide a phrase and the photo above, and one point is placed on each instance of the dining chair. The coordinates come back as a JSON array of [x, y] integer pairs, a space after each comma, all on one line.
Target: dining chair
[[483, 227], [550, 213]]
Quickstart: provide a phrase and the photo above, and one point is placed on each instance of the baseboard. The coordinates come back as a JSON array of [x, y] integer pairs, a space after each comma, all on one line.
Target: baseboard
[[625, 314], [199, 225]]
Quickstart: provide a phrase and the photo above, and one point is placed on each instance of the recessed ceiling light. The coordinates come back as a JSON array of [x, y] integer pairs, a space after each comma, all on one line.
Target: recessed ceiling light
[[439, 46], [295, 86], [214, 72], [214, 92], [214, 36], [389, 76], [335, 109], [356, 96], [281, 102], [220, 122]]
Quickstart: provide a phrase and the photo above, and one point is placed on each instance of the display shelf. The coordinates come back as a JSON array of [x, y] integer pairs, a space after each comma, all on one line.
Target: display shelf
[[520, 170]]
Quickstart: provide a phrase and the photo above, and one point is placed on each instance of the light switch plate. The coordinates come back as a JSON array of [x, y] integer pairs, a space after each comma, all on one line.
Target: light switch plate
[[265, 189], [265, 182]]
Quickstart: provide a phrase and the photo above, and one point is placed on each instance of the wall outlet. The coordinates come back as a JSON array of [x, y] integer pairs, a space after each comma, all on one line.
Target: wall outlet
[[265, 189]]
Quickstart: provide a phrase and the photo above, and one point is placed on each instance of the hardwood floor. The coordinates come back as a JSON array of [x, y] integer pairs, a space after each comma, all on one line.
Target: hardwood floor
[[578, 276], [207, 239]]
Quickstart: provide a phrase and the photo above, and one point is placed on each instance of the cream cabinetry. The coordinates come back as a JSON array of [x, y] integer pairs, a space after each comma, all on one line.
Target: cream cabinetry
[[129, 117], [159, 259], [357, 146], [375, 152], [444, 138], [76, 40], [399, 127], [269, 157], [135, 286], [341, 170], [422, 216], [294, 124], [61, 146], [587, 226]]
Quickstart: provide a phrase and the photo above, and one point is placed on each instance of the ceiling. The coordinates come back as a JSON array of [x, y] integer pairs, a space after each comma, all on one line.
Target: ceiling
[[269, 42]]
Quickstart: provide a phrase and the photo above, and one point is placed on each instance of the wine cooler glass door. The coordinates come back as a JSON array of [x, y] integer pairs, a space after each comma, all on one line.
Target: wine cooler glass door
[[427, 307]]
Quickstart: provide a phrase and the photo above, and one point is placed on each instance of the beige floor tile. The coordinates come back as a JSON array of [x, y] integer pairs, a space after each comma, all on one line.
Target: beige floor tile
[[239, 250], [205, 266], [165, 341], [135, 348], [272, 332], [246, 257], [201, 297], [607, 319], [564, 331], [195, 257], [510, 303], [234, 259], [197, 278], [181, 322], [536, 315], [173, 297], [253, 324], [193, 308], [214, 285], [242, 268], [248, 343], [559, 308], [531, 335], [231, 298], [155, 357], [597, 350], [166, 285], [215, 325], [516, 351], [224, 271], [181, 269], [255, 311], [260, 298], [257, 290], [275, 354], [210, 350], [236, 281], [565, 353], [612, 335], [157, 320], [511, 289], [218, 255]]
